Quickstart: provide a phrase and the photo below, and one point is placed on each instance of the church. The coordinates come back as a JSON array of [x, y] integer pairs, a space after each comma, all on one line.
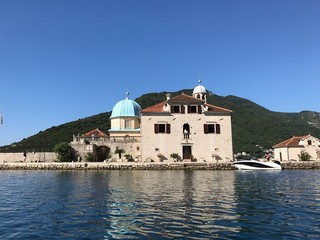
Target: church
[[183, 128]]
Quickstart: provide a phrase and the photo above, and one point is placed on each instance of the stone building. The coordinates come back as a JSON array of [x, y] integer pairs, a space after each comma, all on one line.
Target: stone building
[[291, 148], [181, 128]]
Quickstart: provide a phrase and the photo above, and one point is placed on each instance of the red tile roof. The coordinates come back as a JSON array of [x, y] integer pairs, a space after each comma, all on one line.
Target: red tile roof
[[291, 142], [95, 133], [182, 98], [212, 108], [155, 108]]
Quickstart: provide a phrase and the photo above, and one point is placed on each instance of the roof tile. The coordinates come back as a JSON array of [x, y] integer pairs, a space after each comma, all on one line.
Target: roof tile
[[158, 108], [96, 133], [291, 142]]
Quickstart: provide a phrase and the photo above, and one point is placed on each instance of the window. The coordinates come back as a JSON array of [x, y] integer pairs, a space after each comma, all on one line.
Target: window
[[212, 128], [127, 124], [309, 142], [193, 109], [186, 131], [175, 109], [162, 128]]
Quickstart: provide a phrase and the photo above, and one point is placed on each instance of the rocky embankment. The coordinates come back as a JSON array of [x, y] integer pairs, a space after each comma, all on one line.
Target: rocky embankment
[[115, 166], [142, 166], [301, 165]]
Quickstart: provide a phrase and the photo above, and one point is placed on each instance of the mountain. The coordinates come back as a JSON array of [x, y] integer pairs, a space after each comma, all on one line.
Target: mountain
[[252, 125]]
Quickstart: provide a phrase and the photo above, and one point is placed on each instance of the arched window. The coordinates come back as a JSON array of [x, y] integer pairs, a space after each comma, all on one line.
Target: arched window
[[186, 131]]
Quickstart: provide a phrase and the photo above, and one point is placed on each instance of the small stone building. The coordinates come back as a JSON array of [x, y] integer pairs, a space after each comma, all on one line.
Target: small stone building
[[291, 148]]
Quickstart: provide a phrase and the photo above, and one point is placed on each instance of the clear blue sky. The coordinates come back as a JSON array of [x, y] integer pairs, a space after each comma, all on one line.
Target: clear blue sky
[[62, 60]]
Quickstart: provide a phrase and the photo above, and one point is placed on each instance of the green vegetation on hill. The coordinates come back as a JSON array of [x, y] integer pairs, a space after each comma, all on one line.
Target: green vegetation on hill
[[252, 125], [45, 140]]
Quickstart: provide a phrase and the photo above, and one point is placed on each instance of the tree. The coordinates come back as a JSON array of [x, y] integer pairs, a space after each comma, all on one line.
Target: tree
[[175, 156], [304, 156], [119, 151], [64, 152]]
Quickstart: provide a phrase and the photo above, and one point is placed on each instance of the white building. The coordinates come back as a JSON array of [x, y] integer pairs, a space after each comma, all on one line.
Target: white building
[[291, 148], [188, 126]]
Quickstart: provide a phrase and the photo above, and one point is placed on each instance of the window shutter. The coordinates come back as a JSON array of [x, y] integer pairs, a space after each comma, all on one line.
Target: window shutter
[[199, 109], [168, 128], [205, 128], [156, 128], [189, 109], [217, 128], [171, 109], [182, 109]]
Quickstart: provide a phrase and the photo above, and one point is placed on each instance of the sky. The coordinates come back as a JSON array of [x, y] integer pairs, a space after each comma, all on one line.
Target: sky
[[62, 60]]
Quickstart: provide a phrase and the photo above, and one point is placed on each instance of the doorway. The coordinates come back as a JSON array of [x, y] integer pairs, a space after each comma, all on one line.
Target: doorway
[[186, 152], [102, 153]]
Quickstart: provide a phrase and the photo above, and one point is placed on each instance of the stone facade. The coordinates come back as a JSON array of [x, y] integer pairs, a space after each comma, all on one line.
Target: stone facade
[[196, 145], [103, 149]]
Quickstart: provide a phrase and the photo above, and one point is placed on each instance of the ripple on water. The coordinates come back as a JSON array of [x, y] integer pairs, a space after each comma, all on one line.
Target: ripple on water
[[159, 205]]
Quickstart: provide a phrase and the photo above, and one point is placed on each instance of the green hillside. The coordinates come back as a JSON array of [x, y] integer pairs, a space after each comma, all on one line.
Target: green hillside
[[45, 140], [252, 125]]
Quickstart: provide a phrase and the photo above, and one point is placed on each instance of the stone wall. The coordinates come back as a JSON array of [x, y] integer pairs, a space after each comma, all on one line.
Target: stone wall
[[140, 166], [28, 157], [301, 165], [114, 166]]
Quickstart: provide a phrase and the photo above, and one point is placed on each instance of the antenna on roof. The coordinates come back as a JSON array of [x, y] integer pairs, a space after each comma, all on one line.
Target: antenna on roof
[[199, 81]]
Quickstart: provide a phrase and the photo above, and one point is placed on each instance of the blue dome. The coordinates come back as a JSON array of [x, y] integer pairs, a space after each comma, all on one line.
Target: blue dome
[[126, 108]]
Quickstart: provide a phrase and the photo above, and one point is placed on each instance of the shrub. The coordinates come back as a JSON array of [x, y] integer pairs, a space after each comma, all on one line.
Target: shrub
[[175, 156], [64, 152], [128, 157], [304, 156], [89, 157]]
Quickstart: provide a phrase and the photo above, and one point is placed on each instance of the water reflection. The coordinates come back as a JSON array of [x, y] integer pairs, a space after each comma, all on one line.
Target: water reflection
[[159, 204], [173, 204]]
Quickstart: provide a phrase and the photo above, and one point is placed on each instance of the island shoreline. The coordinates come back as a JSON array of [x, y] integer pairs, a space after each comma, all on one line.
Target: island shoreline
[[142, 166]]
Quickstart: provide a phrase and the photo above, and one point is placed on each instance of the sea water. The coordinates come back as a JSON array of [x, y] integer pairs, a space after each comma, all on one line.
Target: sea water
[[180, 204]]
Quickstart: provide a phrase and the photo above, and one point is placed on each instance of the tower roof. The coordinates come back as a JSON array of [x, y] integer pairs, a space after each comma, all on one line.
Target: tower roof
[[126, 108], [199, 88]]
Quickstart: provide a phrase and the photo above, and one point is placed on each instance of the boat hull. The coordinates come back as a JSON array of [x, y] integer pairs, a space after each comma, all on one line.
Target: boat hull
[[256, 165]]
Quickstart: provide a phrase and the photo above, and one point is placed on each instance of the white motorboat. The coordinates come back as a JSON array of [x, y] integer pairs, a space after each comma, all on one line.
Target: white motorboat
[[254, 164]]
